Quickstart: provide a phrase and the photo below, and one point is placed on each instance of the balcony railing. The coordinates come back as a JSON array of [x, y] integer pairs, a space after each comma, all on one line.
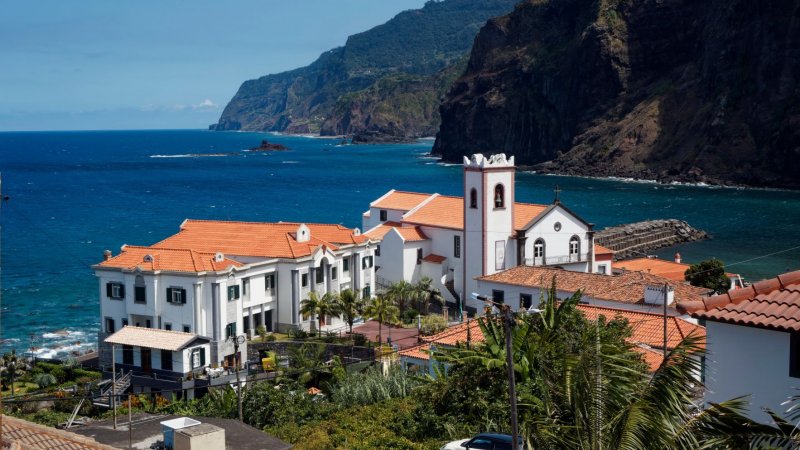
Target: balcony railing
[[555, 260]]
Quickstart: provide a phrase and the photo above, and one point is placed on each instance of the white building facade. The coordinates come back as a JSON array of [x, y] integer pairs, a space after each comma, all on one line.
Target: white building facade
[[221, 279], [454, 240]]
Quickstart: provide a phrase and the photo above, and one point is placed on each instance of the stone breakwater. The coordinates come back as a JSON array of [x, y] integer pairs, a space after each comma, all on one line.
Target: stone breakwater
[[636, 239]]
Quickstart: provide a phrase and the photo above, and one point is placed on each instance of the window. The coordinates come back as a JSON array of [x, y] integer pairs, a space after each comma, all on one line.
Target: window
[[124, 322], [480, 443], [166, 360], [574, 246], [245, 286], [334, 272], [538, 248], [198, 357], [601, 269], [794, 355], [456, 246], [473, 198], [499, 196], [383, 215], [176, 295], [230, 330], [168, 326], [419, 256], [139, 292], [366, 262], [498, 296], [525, 300], [115, 291], [269, 281], [346, 264], [109, 325], [366, 292], [319, 275], [127, 354], [233, 292], [147, 323], [378, 250], [187, 329], [304, 280]]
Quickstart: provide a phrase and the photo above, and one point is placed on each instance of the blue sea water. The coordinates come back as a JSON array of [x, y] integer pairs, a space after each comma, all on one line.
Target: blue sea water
[[74, 194]]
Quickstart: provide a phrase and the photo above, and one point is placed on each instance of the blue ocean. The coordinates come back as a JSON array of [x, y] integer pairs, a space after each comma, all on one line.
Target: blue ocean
[[72, 195]]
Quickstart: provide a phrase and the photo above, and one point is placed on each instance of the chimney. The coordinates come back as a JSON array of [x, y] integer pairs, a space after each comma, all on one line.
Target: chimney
[[655, 295], [106, 255], [677, 257], [303, 234]]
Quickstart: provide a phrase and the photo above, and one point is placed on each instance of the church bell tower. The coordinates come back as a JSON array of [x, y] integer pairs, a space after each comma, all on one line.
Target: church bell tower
[[488, 217]]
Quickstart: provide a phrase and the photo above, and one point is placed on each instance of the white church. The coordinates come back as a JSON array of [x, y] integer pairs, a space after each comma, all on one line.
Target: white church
[[454, 240]]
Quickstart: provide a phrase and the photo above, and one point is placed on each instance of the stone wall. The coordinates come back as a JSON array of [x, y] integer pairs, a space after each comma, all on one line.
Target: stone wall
[[634, 240]]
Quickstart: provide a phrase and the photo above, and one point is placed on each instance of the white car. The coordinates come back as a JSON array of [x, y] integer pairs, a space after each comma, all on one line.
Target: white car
[[455, 445]]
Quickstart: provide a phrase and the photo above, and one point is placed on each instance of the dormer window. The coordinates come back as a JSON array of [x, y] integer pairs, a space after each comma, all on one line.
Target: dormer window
[[499, 196], [473, 198]]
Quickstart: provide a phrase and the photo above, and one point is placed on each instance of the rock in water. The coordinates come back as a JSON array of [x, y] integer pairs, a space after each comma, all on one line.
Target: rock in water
[[267, 146]]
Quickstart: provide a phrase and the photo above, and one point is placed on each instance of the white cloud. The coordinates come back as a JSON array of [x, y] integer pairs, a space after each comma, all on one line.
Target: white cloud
[[205, 104]]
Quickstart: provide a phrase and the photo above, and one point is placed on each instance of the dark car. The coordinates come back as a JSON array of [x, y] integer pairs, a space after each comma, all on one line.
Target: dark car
[[491, 441]]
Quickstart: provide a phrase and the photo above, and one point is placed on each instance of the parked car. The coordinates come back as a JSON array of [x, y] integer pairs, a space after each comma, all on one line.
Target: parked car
[[484, 441]]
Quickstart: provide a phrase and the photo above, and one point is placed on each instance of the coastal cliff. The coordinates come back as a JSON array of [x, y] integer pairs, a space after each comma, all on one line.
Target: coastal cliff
[[383, 84], [674, 90]]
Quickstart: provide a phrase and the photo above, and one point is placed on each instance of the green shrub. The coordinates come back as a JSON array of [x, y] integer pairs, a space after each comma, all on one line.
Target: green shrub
[[410, 315], [359, 340], [371, 386], [269, 338], [433, 324]]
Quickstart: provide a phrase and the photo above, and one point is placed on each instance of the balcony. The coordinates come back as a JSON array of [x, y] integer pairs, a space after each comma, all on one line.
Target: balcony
[[556, 260]]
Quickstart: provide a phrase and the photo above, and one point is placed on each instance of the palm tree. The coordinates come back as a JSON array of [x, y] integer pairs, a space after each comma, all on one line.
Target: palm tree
[[400, 293], [309, 360], [351, 305], [329, 305], [382, 310], [10, 366], [309, 308], [425, 293]]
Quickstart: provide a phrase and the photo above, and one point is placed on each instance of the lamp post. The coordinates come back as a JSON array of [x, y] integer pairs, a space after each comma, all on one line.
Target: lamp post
[[237, 363], [508, 322]]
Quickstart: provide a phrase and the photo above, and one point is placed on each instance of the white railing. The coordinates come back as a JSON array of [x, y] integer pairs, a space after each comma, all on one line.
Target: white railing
[[553, 260]]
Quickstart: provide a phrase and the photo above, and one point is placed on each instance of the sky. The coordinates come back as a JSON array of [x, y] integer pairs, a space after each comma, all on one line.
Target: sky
[[158, 64]]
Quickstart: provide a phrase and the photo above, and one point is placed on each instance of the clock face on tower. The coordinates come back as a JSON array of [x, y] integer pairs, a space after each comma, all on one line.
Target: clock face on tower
[[557, 226]]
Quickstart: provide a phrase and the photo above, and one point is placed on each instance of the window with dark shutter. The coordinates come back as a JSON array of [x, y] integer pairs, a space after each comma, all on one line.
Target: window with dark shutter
[[115, 290], [319, 275], [498, 296], [346, 264], [304, 280], [456, 246], [383, 215], [525, 300], [333, 273], [166, 360], [378, 250], [127, 354], [419, 256], [233, 292]]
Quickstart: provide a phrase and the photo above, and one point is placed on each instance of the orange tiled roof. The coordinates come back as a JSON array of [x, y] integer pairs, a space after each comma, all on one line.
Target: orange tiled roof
[[419, 352], [448, 212], [600, 250], [433, 258], [660, 267], [167, 259], [771, 304], [653, 358], [648, 328], [18, 433], [258, 239], [401, 200], [627, 287], [409, 234], [457, 333]]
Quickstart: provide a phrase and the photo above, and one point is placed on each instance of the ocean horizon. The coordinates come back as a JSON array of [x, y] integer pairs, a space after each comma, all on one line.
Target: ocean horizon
[[74, 194]]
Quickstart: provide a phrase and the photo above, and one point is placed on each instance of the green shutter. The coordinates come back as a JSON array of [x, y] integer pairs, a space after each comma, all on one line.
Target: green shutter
[[122, 291], [108, 290], [183, 296], [202, 357], [169, 295]]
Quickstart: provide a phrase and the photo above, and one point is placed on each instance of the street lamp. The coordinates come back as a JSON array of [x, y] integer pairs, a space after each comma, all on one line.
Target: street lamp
[[508, 322], [237, 340]]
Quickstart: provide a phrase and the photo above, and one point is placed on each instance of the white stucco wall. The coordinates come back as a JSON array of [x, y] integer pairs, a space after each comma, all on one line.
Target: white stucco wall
[[557, 242], [745, 360]]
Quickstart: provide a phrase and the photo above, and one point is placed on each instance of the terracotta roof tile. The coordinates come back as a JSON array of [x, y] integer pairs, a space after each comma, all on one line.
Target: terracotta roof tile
[[457, 333], [448, 212], [772, 304], [655, 266], [648, 328], [167, 259], [408, 233], [18, 433], [379, 231], [626, 287], [432, 258], [152, 338], [421, 351], [400, 200], [255, 239], [653, 358], [600, 250]]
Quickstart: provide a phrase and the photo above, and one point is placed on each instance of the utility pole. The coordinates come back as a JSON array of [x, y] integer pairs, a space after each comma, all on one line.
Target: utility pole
[[237, 361], [113, 399], [666, 291], [508, 321]]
